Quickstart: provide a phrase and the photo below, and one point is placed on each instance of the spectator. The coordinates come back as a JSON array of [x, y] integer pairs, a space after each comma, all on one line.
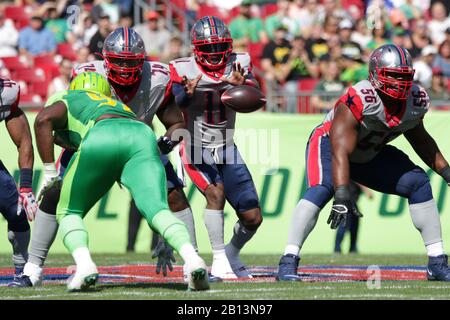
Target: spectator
[[36, 40], [354, 69], [62, 81], [419, 37], [439, 86], [84, 30], [287, 64], [348, 46], [156, 38], [361, 34], [401, 38], [55, 24], [330, 26], [126, 21], [307, 15], [330, 83], [332, 8], [379, 38], [176, 50], [316, 44], [106, 7], [282, 18], [442, 60], [424, 73], [97, 40], [8, 36], [410, 10], [83, 55], [246, 27], [439, 23]]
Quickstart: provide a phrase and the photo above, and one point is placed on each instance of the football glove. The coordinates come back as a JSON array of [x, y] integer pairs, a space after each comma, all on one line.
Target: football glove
[[27, 202], [340, 212], [164, 252], [51, 178], [166, 145], [342, 207]]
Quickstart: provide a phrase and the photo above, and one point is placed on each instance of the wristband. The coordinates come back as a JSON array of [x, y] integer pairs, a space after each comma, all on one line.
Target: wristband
[[445, 174], [26, 178], [50, 170], [342, 192]]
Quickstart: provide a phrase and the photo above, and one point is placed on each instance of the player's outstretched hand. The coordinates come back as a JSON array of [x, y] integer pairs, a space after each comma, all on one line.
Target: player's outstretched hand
[[237, 76], [27, 202], [164, 252], [340, 212], [191, 85]]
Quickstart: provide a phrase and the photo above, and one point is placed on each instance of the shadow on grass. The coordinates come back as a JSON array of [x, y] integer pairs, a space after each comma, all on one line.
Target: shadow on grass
[[142, 285]]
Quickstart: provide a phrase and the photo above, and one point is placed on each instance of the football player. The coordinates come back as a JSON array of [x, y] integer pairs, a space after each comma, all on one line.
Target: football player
[[112, 145], [144, 86], [209, 154], [16, 206], [352, 143]]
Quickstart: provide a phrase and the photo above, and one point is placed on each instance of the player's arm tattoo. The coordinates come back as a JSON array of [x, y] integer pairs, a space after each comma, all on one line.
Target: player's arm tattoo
[[426, 147], [50, 118], [19, 131], [343, 138]]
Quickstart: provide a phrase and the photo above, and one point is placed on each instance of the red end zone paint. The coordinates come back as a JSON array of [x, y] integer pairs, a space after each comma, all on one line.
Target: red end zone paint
[[147, 274]]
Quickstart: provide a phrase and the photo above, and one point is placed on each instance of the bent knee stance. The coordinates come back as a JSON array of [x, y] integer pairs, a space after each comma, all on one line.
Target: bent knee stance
[[177, 200], [50, 200], [251, 219], [415, 185], [319, 194]]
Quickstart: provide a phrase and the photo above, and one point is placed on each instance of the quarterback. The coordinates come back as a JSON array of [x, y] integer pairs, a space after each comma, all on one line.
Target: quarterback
[[112, 146], [209, 155], [352, 143]]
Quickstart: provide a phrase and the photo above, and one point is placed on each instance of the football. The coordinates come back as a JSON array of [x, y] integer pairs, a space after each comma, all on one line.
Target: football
[[244, 99]]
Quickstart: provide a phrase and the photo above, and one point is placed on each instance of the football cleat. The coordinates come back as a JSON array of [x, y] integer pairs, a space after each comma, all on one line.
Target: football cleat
[[83, 278], [221, 268], [437, 269], [239, 269], [197, 275], [287, 268], [20, 281]]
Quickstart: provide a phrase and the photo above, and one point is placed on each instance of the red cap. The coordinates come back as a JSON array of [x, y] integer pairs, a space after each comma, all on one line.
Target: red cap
[[152, 15]]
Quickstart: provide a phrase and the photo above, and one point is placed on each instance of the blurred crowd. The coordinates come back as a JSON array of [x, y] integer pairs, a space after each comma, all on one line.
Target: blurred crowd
[[319, 46]]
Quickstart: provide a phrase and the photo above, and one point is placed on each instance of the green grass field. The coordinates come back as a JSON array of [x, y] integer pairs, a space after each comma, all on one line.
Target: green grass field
[[242, 291]]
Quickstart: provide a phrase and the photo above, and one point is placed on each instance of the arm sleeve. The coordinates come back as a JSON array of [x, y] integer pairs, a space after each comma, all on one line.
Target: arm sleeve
[[181, 98]]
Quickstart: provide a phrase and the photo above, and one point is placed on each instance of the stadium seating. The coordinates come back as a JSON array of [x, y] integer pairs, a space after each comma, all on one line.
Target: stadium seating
[[18, 15], [306, 85], [66, 51]]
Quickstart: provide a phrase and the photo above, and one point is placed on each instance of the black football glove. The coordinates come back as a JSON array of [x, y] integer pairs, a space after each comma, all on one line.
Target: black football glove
[[164, 252], [166, 145], [342, 208]]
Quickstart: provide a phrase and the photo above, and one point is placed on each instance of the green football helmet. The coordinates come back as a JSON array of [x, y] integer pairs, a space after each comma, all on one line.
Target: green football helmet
[[91, 81]]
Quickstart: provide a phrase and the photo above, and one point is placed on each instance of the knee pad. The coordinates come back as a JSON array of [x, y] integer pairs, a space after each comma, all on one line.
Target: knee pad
[[415, 185], [246, 200], [319, 195], [50, 200]]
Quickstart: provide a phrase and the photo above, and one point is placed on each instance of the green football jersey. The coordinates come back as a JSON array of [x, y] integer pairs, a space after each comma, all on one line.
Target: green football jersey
[[83, 108]]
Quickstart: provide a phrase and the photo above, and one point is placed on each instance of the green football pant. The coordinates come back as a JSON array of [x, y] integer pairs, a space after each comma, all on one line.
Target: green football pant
[[126, 151]]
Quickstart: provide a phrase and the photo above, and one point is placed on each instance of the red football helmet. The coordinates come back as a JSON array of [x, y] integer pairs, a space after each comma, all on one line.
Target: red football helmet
[[211, 42], [391, 71], [124, 54]]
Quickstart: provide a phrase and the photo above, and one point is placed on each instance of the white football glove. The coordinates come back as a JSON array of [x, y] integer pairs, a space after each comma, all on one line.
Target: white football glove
[[51, 178]]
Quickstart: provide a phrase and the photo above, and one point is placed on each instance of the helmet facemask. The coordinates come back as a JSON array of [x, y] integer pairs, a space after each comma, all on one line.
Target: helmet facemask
[[394, 82], [213, 54], [124, 69]]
